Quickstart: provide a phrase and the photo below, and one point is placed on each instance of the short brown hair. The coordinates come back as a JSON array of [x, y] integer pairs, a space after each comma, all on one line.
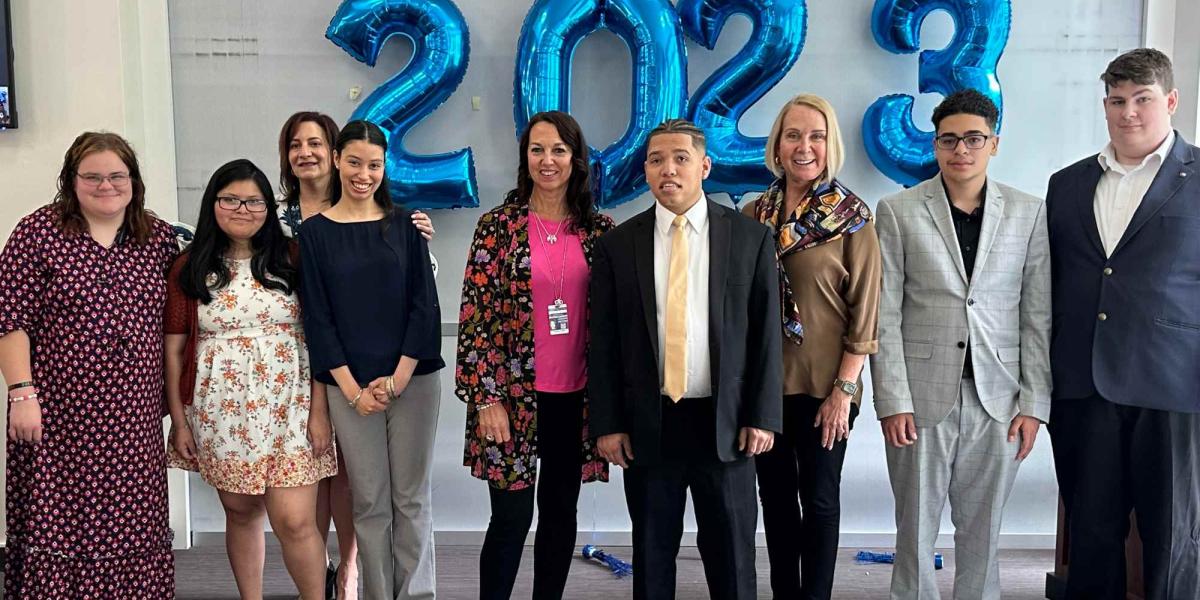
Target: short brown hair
[[138, 223], [1143, 66], [683, 126]]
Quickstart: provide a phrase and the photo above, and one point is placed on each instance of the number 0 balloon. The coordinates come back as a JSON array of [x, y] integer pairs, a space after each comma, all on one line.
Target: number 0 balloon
[[552, 30], [439, 61]]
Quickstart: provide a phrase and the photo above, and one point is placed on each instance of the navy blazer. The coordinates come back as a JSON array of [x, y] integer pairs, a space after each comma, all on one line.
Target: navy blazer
[[1127, 327], [744, 333]]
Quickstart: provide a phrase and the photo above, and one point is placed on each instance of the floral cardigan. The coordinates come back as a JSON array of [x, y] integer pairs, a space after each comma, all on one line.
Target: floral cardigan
[[495, 349]]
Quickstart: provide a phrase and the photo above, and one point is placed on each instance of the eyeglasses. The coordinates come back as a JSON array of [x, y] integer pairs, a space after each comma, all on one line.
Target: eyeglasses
[[949, 141], [95, 179], [254, 205]]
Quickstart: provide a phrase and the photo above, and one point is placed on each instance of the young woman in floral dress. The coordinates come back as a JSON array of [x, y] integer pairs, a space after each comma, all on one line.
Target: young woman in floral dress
[[244, 410], [81, 308]]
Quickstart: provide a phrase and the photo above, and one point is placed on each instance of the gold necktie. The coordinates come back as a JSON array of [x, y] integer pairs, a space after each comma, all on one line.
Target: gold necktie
[[675, 337]]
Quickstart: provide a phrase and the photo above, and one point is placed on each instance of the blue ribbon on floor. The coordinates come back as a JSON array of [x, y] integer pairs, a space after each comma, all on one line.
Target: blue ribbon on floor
[[619, 567], [864, 556]]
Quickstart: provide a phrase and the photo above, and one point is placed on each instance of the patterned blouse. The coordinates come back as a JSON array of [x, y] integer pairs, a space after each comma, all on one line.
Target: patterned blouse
[[495, 349]]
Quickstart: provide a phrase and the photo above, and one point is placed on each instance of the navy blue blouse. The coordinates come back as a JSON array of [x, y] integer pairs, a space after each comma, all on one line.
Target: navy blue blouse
[[368, 298]]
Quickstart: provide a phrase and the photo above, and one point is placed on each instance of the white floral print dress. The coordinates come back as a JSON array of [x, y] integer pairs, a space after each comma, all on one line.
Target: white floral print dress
[[253, 391]]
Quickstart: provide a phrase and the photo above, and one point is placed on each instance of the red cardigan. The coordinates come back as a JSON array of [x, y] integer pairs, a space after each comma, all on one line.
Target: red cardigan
[[182, 316]]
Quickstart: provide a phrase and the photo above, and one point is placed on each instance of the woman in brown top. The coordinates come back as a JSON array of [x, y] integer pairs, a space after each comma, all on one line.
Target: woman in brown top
[[830, 271]]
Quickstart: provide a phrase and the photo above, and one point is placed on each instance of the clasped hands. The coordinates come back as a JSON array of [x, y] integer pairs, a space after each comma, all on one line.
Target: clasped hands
[[375, 397]]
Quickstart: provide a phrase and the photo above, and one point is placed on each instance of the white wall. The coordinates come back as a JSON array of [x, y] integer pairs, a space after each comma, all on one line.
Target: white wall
[[100, 64], [230, 106]]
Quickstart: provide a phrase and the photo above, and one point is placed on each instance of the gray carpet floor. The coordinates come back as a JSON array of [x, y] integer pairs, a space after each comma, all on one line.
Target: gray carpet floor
[[203, 574]]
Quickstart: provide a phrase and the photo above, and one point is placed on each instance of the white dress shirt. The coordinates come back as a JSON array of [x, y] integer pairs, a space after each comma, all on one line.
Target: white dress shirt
[[699, 364], [1121, 189]]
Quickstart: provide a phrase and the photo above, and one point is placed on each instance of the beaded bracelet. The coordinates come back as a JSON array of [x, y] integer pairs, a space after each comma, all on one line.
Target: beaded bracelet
[[16, 399]]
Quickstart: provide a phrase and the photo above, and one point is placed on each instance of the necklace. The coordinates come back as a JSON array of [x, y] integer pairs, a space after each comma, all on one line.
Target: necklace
[[545, 231]]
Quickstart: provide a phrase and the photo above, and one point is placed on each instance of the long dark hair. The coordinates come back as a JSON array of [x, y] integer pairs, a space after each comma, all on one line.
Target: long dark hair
[[580, 207], [138, 221], [271, 264], [364, 131], [289, 184]]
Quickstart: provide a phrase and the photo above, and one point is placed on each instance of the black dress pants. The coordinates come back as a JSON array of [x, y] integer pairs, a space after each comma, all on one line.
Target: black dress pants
[[559, 433], [1112, 458], [802, 536], [723, 499]]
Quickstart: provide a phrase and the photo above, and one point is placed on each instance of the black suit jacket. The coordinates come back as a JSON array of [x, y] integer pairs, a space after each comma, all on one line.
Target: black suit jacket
[[744, 333], [1127, 326]]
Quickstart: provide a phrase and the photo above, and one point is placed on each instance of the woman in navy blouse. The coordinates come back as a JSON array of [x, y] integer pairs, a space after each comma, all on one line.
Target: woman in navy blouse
[[373, 325]]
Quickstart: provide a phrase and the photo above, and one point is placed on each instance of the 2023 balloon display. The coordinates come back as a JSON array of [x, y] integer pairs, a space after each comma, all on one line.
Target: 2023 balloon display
[[896, 146], [441, 46], [653, 30]]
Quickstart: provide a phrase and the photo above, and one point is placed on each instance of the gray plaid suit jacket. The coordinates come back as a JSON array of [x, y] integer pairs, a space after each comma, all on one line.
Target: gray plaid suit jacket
[[930, 315]]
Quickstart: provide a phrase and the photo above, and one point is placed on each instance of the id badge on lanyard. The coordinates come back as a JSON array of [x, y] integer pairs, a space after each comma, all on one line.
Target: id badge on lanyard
[[558, 318]]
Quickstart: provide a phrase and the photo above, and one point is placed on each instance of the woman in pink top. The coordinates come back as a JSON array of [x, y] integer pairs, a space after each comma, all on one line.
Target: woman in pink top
[[522, 357]]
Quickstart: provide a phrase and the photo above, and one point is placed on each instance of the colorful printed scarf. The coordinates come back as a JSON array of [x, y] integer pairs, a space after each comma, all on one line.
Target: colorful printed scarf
[[829, 212]]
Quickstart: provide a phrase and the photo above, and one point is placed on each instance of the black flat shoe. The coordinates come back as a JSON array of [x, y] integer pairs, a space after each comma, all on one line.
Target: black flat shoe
[[331, 573]]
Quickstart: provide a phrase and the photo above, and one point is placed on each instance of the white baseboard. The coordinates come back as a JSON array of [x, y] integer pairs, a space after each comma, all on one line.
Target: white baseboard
[[1008, 541]]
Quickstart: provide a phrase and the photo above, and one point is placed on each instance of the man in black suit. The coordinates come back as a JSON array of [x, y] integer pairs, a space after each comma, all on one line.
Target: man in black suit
[[1124, 230], [684, 375]]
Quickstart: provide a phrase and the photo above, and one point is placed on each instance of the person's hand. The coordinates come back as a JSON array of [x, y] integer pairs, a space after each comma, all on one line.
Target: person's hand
[[182, 440], [899, 430], [493, 424], [373, 400], [423, 224], [753, 440], [320, 432], [833, 417], [1027, 428], [616, 448], [25, 421]]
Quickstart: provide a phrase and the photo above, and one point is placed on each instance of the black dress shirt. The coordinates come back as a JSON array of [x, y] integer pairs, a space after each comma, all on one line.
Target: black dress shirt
[[967, 227]]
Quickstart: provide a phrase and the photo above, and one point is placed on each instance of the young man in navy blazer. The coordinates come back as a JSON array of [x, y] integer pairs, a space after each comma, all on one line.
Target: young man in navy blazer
[[685, 379], [1124, 230]]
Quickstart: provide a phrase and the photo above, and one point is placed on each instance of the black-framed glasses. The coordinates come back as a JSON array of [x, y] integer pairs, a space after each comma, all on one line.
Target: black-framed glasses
[[254, 205], [95, 180], [949, 141]]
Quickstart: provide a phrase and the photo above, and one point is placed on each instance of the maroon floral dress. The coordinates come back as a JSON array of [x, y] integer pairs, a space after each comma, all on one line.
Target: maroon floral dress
[[495, 350], [87, 507]]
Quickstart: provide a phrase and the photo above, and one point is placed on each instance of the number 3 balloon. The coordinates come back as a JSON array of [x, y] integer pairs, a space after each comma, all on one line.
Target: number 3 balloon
[[900, 149]]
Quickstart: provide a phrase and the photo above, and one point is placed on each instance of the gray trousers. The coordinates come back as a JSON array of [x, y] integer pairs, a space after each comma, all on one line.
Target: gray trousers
[[389, 459], [967, 458]]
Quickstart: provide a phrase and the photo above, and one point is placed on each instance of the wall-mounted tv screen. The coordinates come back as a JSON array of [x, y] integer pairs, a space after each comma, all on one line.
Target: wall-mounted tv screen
[[8, 110]]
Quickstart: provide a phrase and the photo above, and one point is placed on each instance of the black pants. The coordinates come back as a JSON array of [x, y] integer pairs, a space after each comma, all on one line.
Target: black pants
[[559, 432], [723, 499], [1110, 459], [802, 546]]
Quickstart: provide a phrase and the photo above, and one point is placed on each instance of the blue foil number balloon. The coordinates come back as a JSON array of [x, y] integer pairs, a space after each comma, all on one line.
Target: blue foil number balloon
[[774, 46], [440, 49], [651, 30], [896, 146]]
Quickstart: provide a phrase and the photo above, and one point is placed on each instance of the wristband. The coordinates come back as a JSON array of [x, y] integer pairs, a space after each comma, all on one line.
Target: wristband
[[19, 385]]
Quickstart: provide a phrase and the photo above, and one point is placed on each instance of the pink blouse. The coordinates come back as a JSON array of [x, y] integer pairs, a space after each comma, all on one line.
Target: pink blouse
[[560, 360]]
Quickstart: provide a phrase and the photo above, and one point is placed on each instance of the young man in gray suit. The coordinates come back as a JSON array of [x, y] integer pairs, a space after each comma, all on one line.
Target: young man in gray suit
[[962, 377]]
